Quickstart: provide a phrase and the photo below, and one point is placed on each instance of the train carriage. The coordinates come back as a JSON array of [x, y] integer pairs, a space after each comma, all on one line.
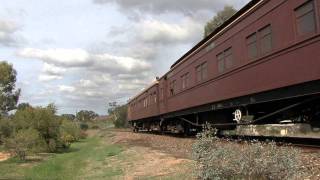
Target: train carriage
[[261, 66]]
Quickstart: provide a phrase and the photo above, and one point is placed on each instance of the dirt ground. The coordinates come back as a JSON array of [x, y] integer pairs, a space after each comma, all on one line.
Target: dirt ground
[[155, 156], [4, 156], [176, 146], [311, 157], [165, 155]]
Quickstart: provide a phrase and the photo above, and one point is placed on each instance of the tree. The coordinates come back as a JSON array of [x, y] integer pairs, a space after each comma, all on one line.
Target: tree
[[119, 116], [9, 96], [44, 121], [219, 19], [52, 107], [24, 142], [23, 106], [86, 116], [69, 117], [69, 132], [5, 129]]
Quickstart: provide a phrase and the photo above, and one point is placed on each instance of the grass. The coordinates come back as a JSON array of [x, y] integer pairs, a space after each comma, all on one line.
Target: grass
[[81, 161], [1, 148], [101, 124]]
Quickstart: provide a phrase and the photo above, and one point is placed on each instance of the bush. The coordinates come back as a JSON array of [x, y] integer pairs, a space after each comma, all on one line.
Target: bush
[[25, 142], [85, 115], [41, 119], [69, 133], [119, 116], [218, 159], [56, 131], [5, 129], [33, 125], [84, 126]]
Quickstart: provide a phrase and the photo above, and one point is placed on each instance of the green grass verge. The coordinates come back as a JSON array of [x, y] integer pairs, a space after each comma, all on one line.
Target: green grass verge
[[1, 148], [82, 161]]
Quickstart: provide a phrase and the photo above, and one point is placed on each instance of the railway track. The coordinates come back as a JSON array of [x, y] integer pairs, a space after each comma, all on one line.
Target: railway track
[[293, 141]]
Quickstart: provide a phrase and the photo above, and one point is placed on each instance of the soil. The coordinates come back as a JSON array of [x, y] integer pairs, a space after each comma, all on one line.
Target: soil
[[179, 147], [4, 156], [155, 156], [311, 157]]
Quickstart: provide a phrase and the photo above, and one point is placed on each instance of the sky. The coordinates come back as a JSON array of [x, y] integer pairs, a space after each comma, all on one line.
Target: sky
[[83, 54]]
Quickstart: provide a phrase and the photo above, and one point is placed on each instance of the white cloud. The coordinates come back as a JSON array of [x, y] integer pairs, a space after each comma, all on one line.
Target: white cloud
[[186, 7], [58, 57], [46, 77], [65, 88], [86, 83], [105, 77], [56, 61], [118, 64], [7, 32], [160, 32], [52, 69]]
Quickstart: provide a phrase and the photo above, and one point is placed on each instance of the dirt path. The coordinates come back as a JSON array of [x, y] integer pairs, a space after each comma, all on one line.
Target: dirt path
[[4, 156], [154, 156], [176, 146]]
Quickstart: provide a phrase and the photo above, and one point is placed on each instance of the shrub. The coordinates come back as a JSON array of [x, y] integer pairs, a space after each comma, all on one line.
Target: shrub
[[85, 115], [84, 126], [24, 142], [119, 116], [218, 159], [69, 133], [52, 145], [5, 129], [56, 131]]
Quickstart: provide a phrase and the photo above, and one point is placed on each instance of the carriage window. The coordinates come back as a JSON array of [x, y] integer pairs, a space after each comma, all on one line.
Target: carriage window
[[228, 58], [252, 46], [161, 94], [185, 80], [198, 72], [147, 101], [225, 60], [202, 72], [173, 87], [266, 39], [220, 58], [150, 99], [305, 18]]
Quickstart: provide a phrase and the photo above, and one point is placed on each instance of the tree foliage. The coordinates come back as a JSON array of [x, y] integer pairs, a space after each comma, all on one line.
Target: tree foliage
[[69, 132], [119, 116], [69, 117], [24, 142], [5, 129], [219, 19], [85, 115], [23, 106], [9, 95], [41, 119], [57, 132]]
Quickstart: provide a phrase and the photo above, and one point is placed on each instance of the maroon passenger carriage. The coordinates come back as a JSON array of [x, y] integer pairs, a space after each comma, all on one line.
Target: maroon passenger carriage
[[260, 67]]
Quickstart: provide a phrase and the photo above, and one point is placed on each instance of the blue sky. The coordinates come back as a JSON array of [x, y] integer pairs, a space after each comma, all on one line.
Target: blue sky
[[82, 54]]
